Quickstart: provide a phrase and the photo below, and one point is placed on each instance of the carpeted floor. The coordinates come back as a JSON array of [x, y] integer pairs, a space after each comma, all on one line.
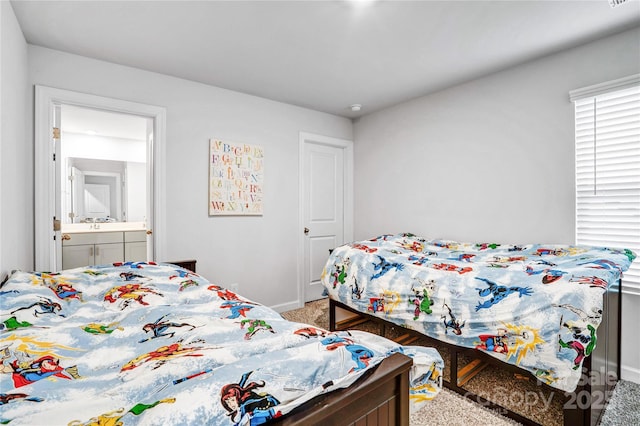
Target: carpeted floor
[[447, 406], [519, 394], [624, 407]]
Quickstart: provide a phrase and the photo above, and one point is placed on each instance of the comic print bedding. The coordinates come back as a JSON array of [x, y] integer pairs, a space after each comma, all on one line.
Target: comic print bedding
[[141, 343], [535, 306]]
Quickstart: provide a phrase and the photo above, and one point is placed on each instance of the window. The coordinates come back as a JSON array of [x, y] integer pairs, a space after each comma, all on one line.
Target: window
[[607, 119]]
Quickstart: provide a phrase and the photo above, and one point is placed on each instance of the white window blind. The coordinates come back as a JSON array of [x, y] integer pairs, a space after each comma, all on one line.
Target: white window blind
[[608, 173]]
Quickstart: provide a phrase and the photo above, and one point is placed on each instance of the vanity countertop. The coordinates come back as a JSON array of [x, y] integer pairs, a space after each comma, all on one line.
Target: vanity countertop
[[76, 228]]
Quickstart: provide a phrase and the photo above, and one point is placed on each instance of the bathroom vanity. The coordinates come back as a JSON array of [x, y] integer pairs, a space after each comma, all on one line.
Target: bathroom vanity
[[99, 244]]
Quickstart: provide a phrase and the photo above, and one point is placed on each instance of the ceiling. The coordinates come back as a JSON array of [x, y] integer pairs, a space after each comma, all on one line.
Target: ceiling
[[323, 55]]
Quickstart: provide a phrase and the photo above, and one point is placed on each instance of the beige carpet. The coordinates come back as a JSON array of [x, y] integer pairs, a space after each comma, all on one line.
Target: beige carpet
[[447, 408]]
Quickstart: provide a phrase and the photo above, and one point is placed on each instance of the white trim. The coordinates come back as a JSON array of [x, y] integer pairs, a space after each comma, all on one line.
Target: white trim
[[43, 205], [607, 86], [630, 288], [630, 358], [347, 146], [45, 98], [630, 374], [284, 307]]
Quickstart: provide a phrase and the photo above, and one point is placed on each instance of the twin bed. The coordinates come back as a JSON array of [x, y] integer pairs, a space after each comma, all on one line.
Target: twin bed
[[145, 343], [548, 310]]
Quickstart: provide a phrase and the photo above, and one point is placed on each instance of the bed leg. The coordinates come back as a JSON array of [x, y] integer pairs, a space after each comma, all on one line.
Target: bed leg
[[332, 315], [576, 410], [453, 368]]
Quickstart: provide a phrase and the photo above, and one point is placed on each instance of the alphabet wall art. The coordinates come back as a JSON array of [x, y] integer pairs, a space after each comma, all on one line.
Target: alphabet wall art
[[236, 173]]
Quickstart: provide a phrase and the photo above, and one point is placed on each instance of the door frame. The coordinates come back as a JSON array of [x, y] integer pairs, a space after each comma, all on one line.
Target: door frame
[[347, 146], [46, 98]]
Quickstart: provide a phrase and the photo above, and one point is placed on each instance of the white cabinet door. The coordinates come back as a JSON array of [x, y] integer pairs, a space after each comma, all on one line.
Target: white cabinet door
[[76, 256], [108, 253], [135, 252], [135, 246]]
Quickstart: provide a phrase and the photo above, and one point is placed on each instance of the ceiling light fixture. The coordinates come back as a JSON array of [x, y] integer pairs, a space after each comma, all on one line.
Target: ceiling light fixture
[[361, 3], [355, 107]]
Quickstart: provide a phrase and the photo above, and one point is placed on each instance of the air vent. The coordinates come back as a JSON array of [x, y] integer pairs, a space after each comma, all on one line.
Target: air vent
[[614, 3]]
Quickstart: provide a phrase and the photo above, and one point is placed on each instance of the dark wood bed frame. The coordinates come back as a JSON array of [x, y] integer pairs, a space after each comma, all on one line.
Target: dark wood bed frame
[[379, 398], [602, 368], [186, 264]]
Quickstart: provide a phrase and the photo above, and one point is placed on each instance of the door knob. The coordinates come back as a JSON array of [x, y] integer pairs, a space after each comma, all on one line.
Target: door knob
[[149, 231], [306, 231]]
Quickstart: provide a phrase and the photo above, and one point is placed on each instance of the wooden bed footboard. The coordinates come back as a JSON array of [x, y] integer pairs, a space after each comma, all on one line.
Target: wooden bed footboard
[[380, 398], [601, 370], [583, 407], [186, 264]]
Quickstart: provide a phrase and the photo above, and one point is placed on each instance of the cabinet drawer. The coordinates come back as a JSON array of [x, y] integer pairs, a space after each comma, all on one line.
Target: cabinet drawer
[[133, 236], [93, 238]]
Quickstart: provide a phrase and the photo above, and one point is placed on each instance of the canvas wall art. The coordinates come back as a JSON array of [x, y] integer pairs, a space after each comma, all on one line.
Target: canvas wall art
[[236, 173]]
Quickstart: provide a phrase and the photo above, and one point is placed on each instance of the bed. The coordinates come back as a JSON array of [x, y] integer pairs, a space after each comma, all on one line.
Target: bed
[[532, 307], [146, 343]]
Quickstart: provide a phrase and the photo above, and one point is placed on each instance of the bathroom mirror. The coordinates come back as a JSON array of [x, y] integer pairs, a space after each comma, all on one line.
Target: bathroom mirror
[[103, 191], [103, 168]]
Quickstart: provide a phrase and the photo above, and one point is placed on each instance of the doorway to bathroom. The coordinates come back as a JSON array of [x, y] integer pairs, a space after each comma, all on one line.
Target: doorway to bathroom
[[98, 175]]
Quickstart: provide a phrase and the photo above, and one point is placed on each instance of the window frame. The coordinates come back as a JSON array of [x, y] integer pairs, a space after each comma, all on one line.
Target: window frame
[[593, 94]]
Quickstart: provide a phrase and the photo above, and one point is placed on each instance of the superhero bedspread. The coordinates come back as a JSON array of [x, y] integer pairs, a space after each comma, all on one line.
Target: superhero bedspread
[[156, 344], [536, 306]]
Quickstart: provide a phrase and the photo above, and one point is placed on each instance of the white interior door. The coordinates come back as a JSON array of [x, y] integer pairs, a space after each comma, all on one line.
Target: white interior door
[[97, 200], [77, 193], [326, 181]]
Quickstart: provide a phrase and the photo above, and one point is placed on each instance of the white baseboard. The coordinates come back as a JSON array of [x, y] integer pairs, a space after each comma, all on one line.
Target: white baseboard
[[283, 307], [629, 373]]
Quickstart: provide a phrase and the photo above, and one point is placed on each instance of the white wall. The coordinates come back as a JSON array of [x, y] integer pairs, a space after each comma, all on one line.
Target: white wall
[[16, 148], [259, 253], [490, 160], [630, 344]]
